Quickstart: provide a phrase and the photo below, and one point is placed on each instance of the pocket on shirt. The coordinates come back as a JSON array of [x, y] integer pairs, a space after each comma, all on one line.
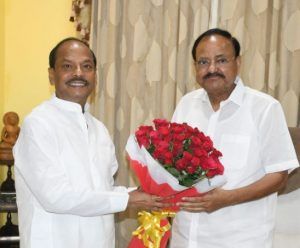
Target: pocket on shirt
[[235, 149]]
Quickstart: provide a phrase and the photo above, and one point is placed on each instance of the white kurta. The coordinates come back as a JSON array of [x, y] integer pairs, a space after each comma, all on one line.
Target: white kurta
[[251, 132], [64, 167]]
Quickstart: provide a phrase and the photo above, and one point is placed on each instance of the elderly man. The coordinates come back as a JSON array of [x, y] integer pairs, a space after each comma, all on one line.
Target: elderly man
[[65, 162], [249, 128]]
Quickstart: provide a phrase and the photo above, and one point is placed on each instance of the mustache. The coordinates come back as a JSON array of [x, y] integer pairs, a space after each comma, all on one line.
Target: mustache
[[76, 79], [214, 74]]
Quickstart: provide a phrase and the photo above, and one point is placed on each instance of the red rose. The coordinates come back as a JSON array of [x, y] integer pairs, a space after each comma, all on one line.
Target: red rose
[[195, 162], [188, 129], [211, 173], [201, 136], [177, 128], [160, 123], [177, 149], [154, 136], [190, 169], [181, 164], [143, 130], [196, 141], [207, 145], [164, 131], [219, 170], [143, 141], [163, 145], [187, 156], [199, 152], [168, 157], [159, 152], [216, 153], [208, 163], [179, 137], [183, 147]]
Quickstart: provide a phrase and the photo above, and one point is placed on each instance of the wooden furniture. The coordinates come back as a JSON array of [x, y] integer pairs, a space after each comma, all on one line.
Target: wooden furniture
[[9, 234]]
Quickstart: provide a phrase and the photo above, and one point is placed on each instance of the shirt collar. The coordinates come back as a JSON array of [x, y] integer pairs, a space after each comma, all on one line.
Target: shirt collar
[[236, 95], [67, 105]]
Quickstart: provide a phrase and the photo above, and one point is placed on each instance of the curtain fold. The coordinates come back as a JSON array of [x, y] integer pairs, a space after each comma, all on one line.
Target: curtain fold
[[270, 44], [143, 48]]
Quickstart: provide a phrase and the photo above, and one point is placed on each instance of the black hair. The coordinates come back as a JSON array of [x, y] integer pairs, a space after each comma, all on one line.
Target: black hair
[[217, 31], [52, 55]]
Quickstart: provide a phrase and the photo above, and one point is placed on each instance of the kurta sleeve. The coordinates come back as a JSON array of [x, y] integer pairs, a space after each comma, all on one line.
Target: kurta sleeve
[[277, 150], [36, 162]]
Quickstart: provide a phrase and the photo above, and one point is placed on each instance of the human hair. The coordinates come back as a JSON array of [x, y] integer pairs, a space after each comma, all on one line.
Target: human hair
[[217, 31], [52, 54]]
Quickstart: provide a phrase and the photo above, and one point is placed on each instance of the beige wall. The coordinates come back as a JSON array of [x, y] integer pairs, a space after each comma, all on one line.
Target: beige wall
[[30, 29]]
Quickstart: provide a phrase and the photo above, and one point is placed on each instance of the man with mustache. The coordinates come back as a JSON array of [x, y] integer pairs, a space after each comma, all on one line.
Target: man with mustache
[[65, 162], [249, 128]]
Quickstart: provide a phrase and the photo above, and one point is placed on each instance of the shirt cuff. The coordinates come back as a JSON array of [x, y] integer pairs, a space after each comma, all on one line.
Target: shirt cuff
[[130, 189], [120, 199]]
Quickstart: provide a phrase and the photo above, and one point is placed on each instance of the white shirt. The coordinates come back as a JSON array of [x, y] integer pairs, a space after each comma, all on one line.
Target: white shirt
[[64, 167], [250, 131]]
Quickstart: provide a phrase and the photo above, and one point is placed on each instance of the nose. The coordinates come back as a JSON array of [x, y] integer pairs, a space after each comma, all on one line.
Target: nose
[[212, 66], [78, 71]]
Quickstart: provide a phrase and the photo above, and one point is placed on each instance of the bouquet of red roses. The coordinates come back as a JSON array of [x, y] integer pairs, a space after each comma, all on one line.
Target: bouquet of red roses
[[172, 159]]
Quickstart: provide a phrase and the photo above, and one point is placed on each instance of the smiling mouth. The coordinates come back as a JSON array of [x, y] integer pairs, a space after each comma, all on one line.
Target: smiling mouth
[[77, 83]]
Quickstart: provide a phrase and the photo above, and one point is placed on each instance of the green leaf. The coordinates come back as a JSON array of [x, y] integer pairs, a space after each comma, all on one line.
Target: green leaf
[[196, 180], [188, 182], [173, 171], [151, 148], [186, 144]]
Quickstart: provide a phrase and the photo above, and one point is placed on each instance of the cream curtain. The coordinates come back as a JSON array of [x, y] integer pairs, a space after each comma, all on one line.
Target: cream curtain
[[145, 64], [270, 39]]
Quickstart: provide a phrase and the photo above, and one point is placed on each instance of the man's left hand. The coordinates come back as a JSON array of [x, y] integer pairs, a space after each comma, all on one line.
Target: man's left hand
[[209, 202]]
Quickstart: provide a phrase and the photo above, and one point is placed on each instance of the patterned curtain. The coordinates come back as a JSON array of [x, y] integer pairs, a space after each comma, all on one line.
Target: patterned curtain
[[270, 39], [145, 66]]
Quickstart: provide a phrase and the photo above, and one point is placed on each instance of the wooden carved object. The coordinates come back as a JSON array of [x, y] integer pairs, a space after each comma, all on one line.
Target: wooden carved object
[[9, 135]]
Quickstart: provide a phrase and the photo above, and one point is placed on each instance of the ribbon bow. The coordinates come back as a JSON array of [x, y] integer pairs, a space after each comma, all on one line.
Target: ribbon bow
[[150, 230]]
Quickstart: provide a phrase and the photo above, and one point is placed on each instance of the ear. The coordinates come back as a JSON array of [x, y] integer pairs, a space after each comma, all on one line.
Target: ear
[[195, 67], [238, 62], [96, 77], [51, 76]]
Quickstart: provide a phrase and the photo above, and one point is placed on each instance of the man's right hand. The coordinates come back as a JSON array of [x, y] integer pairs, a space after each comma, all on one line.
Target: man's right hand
[[140, 199]]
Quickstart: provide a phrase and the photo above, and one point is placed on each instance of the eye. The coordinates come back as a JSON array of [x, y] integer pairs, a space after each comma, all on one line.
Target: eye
[[66, 66], [222, 61], [88, 67], [203, 62]]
